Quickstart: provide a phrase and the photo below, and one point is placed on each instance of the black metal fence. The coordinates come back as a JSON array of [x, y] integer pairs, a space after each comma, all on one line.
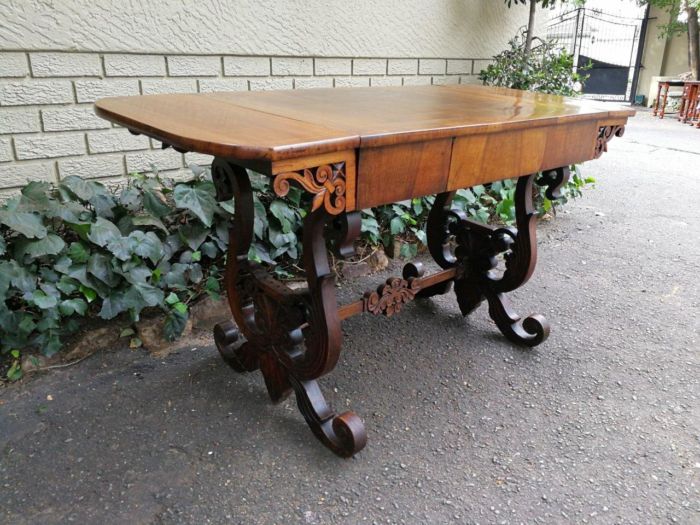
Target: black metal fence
[[607, 45]]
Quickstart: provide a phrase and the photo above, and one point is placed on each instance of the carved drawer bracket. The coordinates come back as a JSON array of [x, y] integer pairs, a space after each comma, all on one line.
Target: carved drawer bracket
[[605, 134], [325, 182]]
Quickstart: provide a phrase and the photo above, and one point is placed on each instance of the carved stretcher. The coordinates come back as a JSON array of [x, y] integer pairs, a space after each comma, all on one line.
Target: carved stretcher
[[356, 148]]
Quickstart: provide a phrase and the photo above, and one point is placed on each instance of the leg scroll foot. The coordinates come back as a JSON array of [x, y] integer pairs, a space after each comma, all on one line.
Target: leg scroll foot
[[530, 331], [242, 358], [343, 434]]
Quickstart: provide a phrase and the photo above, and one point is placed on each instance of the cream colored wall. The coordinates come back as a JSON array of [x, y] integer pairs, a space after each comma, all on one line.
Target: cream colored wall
[[357, 28], [58, 56], [662, 56], [676, 56]]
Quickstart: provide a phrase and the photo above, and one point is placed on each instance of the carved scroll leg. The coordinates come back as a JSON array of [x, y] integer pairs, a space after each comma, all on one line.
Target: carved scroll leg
[[232, 181], [438, 243], [477, 248], [521, 259], [343, 434], [530, 331], [348, 226], [241, 357]]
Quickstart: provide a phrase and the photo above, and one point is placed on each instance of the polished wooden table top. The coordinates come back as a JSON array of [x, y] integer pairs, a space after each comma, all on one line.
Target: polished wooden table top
[[276, 125], [386, 144]]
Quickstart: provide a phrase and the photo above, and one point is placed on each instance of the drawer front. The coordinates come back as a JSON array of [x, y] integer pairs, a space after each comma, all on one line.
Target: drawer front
[[395, 173], [479, 159]]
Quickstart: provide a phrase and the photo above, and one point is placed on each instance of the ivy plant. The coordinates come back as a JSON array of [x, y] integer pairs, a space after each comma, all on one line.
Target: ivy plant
[[81, 249]]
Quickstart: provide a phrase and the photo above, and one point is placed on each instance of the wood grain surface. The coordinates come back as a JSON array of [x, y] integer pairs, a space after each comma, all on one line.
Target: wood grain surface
[[397, 142], [274, 125]]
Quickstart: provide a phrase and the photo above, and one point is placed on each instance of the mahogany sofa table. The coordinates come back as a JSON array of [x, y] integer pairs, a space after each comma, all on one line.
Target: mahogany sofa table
[[357, 148]]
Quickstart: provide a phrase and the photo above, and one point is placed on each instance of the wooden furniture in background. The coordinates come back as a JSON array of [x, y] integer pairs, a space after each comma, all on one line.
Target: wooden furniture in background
[[355, 148], [662, 99], [689, 101]]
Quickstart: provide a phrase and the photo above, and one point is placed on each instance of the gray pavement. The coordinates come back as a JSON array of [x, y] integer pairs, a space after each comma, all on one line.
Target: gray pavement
[[600, 424]]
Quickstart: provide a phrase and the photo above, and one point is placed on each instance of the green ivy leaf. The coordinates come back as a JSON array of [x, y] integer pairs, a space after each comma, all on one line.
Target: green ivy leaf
[[175, 278], [78, 252], [467, 195], [79, 187], [19, 276], [103, 232], [89, 294], [3, 247], [147, 220], [130, 198], [120, 248], [35, 197], [212, 285], [155, 204], [197, 200], [283, 213], [175, 323], [151, 295], [136, 273], [229, 206], [146, 245], [397, 226], [193, 235], [49, 342], [209, 249], [280, 239], [27, 325], [42, 300], [195, 273], [421, 236], [73, 306], [259, 253], [28, 224], [70, 211], [112, 306], [4, 287], [52, 244], [14, 373], [180, 307], [100, 266], [67, 285]]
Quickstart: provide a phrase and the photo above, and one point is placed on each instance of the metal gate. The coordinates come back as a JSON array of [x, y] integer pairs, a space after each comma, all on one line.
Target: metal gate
[[606, 45]]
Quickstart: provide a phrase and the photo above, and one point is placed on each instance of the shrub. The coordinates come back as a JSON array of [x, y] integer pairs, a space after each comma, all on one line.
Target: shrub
[[546, 68]]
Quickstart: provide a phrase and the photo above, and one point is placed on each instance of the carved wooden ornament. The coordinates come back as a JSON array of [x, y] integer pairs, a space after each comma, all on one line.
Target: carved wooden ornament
[[390, 297], [605, 134], [326, 183]]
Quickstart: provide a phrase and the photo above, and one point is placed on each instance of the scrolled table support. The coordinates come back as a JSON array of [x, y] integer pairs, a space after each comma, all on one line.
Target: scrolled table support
[[475, 257], [293, 337]]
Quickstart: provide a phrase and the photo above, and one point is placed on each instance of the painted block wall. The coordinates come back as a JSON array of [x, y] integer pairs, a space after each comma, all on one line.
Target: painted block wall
[[58, 56]]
